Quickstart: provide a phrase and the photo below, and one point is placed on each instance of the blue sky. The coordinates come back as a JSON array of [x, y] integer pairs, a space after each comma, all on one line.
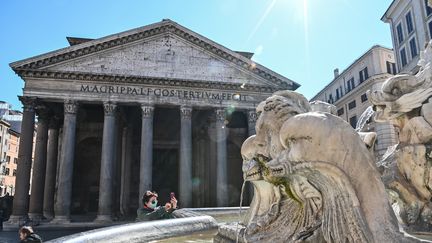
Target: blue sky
[[304, 40]]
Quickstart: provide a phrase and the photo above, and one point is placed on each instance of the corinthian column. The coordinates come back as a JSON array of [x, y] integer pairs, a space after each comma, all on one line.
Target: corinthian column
[[185, 177], [221, 158], [146, 159], [22, 184], [127, 144], [51, 168], [107, 163], [39, 165], [65, 171]]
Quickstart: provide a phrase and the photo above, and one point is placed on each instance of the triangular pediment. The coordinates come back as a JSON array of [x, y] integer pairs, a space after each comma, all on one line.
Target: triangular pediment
[[165, 56], [161, 50]]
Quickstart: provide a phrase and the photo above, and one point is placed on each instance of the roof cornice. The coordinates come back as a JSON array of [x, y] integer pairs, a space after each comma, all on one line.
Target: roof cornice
[[385, 17], [157, 81], [163, 27]]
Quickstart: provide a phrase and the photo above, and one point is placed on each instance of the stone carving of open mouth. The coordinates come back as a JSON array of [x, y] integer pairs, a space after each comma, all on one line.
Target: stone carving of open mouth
[[276, 169], [254, 173], [255, 168]]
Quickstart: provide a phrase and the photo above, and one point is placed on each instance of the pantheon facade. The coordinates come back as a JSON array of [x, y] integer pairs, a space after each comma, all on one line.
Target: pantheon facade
[[158, 107]]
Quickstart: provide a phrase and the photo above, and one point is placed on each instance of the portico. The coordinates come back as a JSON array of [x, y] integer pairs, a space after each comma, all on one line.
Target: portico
[[155, 108]]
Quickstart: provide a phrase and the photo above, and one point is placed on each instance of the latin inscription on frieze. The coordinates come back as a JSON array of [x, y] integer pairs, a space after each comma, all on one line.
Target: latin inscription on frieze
[[161, 92]]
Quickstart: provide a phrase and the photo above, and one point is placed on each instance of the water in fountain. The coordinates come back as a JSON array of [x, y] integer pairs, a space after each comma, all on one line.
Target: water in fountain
[[390, 151], [365, 116], [240, 209]]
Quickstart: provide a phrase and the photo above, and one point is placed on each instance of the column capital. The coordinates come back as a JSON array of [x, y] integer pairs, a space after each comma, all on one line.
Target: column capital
[[252, 116], [54, 122], [109, 108], [147, 110], [185, 112], [29, 103], [42, 111], [70, 106], [220, 114]]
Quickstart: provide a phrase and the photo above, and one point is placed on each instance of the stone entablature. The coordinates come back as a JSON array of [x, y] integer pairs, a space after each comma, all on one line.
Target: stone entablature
[[57, 90]]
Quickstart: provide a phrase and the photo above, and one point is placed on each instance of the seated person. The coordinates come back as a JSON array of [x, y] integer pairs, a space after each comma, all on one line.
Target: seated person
[[27, 235], [150, 211]]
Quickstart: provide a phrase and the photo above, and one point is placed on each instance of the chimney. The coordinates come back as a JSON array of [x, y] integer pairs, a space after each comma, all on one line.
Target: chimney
[[336, 72]]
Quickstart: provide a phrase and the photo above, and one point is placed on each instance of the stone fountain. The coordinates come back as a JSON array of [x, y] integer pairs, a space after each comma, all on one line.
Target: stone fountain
[[314, 180], [406, 101]]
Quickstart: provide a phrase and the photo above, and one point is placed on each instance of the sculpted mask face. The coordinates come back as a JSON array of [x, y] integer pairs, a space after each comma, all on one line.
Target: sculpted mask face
[[273, 112], [266, 145], [251, 168]]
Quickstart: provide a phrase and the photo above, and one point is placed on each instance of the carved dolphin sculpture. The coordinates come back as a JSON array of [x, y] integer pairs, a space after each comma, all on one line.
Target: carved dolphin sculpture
[[324, 151]]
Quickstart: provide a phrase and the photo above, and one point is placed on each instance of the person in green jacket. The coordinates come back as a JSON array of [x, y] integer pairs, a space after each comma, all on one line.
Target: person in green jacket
[[150, 210], [27, 235]]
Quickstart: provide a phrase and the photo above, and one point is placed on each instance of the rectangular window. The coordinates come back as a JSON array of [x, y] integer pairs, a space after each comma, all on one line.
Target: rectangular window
[[8, 158], [391, 67], [364, 98], [15, 161], [337, 94], [353, 121], [403, 57], [352, 105], [413, 47], [350, 84], [330, 99], [409, 22], [340, 111], [400, 33], [363, 74], [428, 9], [14, 172], [7, 171], [430, 29]]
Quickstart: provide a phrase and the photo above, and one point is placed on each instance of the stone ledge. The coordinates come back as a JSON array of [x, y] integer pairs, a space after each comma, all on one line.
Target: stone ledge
[[137, 232]]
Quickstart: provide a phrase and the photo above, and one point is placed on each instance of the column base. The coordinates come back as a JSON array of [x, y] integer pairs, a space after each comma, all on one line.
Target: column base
[[48, 216], [35, 216], [103, 219], [60, 220], [17, 219]]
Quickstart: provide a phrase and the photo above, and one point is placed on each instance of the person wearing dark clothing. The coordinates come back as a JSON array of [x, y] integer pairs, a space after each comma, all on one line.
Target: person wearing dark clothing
[[1, 220], [27, 235], [150, 211]]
